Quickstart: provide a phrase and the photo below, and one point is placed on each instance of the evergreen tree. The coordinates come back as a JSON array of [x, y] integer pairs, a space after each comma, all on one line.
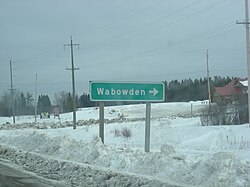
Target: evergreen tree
[[61, 100], [29, 103], [43, 104], [29, 99], [85, 101], [20, 104], [5, 105], [69, 103]]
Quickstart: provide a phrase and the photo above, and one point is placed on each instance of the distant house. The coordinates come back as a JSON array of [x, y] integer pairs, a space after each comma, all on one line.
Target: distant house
[[234, 91], [233, 97]]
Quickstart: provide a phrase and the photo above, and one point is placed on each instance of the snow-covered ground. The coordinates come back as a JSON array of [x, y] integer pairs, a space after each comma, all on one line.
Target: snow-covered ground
[[182, 152]]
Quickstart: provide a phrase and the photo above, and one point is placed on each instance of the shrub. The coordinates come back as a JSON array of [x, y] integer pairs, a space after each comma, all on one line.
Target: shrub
[[220, 115], [127, 133], [117, 133], [96, 138]]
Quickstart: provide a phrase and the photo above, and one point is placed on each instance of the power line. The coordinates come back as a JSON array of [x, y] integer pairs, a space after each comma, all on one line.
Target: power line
[[41, 54], [101, 43], [165, 48], [188, 6], [119, 21], [120, 37], [178, 46]]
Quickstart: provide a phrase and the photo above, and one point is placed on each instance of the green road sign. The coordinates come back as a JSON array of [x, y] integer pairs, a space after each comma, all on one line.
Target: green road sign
[[127, 91]]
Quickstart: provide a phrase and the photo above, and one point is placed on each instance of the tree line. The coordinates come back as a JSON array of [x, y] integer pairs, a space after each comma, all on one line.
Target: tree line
[[192, 90], [24, 103], [175, 91]]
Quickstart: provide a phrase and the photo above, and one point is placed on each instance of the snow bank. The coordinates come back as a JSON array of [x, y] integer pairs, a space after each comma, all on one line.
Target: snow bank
[[184, 153], [221, 169], [78, 174]]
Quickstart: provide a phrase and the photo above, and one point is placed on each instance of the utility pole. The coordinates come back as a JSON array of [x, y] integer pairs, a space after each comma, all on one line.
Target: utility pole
[[208, 84], [246, 23], [36, 99], [73, 79], [12, 93]]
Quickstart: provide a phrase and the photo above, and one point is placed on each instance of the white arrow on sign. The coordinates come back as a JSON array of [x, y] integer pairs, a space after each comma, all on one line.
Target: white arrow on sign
[[154, 91]]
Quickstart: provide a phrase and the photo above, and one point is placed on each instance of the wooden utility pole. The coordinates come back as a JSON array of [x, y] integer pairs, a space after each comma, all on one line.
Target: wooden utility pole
[[73, 79], [246, 23], [36, 99], [208, 83], [248, 55], [12, 93]]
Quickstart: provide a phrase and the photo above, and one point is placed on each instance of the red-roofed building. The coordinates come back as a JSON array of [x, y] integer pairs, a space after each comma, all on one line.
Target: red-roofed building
[[233, 98], [236, 90]]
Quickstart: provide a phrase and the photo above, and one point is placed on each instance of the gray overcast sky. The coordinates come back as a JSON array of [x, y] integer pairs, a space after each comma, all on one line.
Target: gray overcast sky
[[120, 40]]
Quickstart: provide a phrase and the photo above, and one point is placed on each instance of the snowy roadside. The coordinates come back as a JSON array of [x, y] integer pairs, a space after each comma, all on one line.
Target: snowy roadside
[[78, 174], [184, 153], [14, 175], [62, 158], [128, 112]]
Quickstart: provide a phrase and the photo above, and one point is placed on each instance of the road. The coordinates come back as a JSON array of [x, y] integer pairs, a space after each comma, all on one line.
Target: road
[[14, 177]]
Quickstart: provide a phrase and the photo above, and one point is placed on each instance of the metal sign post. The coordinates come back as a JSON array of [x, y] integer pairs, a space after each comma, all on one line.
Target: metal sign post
[[101, 121], [147, 127]]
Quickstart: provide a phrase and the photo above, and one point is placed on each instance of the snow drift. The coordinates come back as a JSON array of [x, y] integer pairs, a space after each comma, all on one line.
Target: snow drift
[[187, 154]]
